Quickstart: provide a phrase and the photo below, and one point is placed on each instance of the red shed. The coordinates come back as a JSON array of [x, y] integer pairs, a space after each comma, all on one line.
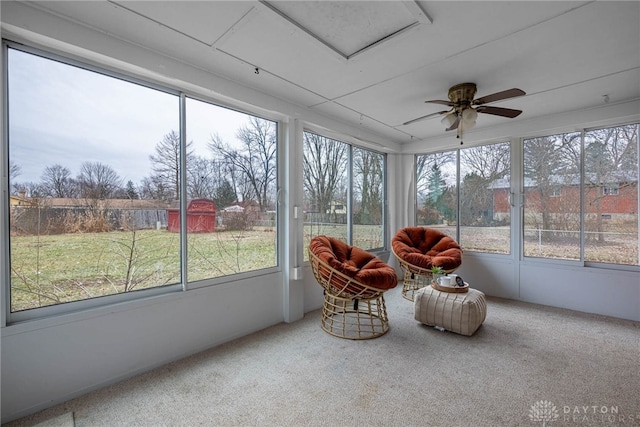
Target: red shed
[[201, 217]]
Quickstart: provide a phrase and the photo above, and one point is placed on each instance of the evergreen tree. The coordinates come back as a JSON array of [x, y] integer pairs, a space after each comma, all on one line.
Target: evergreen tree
[[436, 185], [225, 195], [131, 191]]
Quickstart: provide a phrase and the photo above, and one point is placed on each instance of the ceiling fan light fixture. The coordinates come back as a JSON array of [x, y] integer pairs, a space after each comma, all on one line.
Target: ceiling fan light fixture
[[448, 120], [469, 116]]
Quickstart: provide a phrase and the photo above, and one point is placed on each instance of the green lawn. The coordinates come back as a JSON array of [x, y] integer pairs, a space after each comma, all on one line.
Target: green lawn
[[54, 269]]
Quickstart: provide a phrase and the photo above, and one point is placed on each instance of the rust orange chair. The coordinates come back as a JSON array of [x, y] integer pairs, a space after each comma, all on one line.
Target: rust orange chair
[[417, 250], [354, 283]]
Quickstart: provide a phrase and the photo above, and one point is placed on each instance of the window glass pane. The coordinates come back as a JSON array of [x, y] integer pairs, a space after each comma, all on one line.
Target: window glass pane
[[611, 195], [368, 198], [552, 196], [485, 210], [84, 219], [231, 191], [325, 188], [436, 192]]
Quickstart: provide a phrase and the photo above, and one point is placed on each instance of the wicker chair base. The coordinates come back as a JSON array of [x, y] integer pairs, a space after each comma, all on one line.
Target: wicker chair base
[[415, 278], [351, 309], [356, 319], [412, 282]]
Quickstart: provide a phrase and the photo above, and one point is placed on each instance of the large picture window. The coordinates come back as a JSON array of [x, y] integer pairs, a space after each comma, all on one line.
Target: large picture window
[[368, 198], [611, 195], [552, 167], [83, 224], [344, 192], [436, 192], [97, 187], [473, 199], [232, 171], [485, 205], [581, 196]]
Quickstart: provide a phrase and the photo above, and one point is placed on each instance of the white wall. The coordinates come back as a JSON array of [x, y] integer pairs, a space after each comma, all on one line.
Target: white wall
[[593, 290], [48, 361]]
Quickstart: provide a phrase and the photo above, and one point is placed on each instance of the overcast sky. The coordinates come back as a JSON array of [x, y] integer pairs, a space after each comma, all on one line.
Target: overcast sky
[[60, 114]]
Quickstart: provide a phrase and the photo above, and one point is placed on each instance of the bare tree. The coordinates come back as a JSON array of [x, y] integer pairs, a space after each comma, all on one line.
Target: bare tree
[[325, 168], [29, 189], [56, 181], [166, 162], [202, 177], [255, 160], [152, 188], [480, 167], [368, 185], [98, 181], [548, 165], [610, 160], [14, 170], [487, 161]]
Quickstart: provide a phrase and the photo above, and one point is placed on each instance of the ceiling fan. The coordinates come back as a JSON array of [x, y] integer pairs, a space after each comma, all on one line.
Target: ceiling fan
[[464, 108]]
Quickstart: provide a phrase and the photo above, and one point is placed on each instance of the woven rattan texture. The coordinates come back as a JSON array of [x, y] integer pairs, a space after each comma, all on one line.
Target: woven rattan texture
[[351, 309], [415, 278]]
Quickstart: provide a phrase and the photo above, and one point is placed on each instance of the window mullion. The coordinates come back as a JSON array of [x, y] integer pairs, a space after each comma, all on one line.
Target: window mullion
[[350, 194], [458, 181], [183, 193], [5, 293], [638, 188], [582, 197]]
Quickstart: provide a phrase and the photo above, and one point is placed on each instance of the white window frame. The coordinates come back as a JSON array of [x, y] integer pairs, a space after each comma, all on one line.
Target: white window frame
[[106, 301], [349, 205]]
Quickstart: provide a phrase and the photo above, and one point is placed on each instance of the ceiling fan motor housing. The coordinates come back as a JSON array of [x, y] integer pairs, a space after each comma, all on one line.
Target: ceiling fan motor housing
[[462, 94]]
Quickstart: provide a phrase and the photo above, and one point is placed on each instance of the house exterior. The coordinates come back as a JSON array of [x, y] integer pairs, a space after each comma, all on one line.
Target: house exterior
[[19, 201], [609, 200], [337, 207]]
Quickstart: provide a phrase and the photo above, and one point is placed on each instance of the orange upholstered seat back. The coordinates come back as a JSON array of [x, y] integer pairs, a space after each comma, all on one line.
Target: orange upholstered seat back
[[354, 262], [427, 247]]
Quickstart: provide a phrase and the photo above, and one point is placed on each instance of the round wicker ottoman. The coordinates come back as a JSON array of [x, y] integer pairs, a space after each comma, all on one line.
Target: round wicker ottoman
[[462, 313]]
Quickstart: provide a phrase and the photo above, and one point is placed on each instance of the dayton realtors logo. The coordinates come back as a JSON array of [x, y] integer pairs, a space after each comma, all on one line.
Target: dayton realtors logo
[[599, 414], [543, 411], [546, 412]]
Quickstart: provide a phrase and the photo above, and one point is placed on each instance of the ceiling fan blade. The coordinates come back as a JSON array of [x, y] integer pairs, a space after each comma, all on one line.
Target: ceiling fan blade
[[425, 117], [499, 111], [455, 124], [498, 96], [441, 102]]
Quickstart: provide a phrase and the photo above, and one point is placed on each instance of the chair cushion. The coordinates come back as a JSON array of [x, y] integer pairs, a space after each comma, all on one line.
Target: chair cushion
[[427, 247], [354, 262]]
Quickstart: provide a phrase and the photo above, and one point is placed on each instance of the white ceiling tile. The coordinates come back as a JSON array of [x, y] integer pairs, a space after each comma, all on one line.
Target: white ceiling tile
[[348, 27], [205, 21]]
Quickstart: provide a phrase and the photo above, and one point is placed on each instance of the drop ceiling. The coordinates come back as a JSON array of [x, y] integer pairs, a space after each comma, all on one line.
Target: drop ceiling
[[372, 64]]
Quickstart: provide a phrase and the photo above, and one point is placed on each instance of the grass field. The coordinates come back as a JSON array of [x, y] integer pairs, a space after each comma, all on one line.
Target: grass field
[[53, 269]]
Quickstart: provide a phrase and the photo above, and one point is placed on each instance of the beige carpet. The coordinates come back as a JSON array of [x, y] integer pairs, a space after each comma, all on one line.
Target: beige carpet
[[526, 365], [64, 420]]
